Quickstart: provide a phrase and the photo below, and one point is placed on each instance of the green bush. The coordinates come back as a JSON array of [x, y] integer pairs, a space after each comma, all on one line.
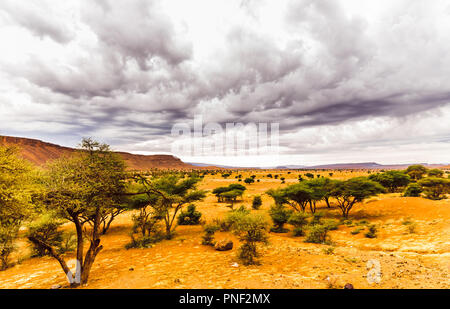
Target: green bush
[[251, 230], [317, 234], [372, 233], [316, 218], [46, 229], [280, 216], [357, 231], [299, 221], [208, 236], [145, 241], [331, 224], [189, 217], [413, 190], [257, 202]]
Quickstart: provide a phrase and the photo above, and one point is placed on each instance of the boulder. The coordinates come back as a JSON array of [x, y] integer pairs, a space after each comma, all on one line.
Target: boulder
[[224, 245]]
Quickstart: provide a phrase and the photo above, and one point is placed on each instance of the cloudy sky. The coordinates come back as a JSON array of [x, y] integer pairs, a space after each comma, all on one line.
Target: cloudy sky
[[347, 81]]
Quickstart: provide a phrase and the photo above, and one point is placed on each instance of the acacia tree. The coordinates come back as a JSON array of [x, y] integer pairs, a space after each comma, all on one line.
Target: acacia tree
[[80, 189], [416, 171], [435, 187], [354, 190], [392, 180], [15, 199], [173, 194]]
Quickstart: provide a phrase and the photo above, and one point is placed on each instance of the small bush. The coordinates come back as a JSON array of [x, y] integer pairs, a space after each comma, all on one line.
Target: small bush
[[411, 225], [329, 250], [372, 233], [357, 231], [299, 221], [145, 241], [316, 218], [189, 217], [280, 216], [413, 190], [45, 228], [257, 202], [317, 234], [331, 224], [251, 230], [208, 236]]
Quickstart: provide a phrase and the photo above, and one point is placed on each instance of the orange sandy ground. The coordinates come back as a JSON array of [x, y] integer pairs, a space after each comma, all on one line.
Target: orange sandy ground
[[408, 260]]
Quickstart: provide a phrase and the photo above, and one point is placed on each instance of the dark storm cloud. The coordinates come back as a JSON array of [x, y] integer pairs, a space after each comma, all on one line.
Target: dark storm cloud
[[124, 70]]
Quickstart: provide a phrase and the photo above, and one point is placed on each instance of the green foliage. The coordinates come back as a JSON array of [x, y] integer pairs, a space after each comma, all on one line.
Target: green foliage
[[435, 188], [435, 173], [249, 180], [280, 216], [416, 172], [299, 221], [189, 217], [257, 202], [357, 230], [372, 233], [229, 194], [317, 218], [251, 230], [413, 190], [15, 200], [45, 228], [208, 236], [348, 193], [331, 224], [309, 175], [317, 234], [392, 180], [83, 188]]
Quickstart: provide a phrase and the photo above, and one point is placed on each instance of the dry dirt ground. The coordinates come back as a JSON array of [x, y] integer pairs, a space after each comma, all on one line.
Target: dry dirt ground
[[408, 260]]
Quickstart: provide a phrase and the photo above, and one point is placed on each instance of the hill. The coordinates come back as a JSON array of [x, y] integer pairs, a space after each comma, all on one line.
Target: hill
[[39, 152]]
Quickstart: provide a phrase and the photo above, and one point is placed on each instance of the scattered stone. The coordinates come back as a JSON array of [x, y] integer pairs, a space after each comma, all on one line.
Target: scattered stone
[[56, 287], [224, 245], [348, 286], [131, 269], [235, 265]]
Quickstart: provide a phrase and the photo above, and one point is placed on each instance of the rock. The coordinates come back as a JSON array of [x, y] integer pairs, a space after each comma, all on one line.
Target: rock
[[56, 287], [131, 269], [224, 245], [348, 286], [235, 265]]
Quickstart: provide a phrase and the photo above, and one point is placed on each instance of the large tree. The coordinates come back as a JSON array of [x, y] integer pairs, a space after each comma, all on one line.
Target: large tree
[[173, 192], [354, 190], [15, 199], [391, 180], [416, 171], [434, 187], [81, 189]]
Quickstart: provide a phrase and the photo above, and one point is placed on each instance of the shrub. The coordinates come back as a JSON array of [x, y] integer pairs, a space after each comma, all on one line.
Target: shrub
[[280, 216], [357, 230], [413, 190], [329, 250], [331, 224], [46, 229], [189, 217], [372, 233], [316, 218], [298, 220], [209, 231], [317, 234], [145, 241], [251, 230], [257, 202]]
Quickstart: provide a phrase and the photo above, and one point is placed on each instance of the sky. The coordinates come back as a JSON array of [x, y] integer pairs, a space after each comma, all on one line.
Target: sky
[[346, 81]]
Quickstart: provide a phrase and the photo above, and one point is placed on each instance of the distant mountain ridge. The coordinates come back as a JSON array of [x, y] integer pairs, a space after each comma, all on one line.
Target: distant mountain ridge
[[39, 152]]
